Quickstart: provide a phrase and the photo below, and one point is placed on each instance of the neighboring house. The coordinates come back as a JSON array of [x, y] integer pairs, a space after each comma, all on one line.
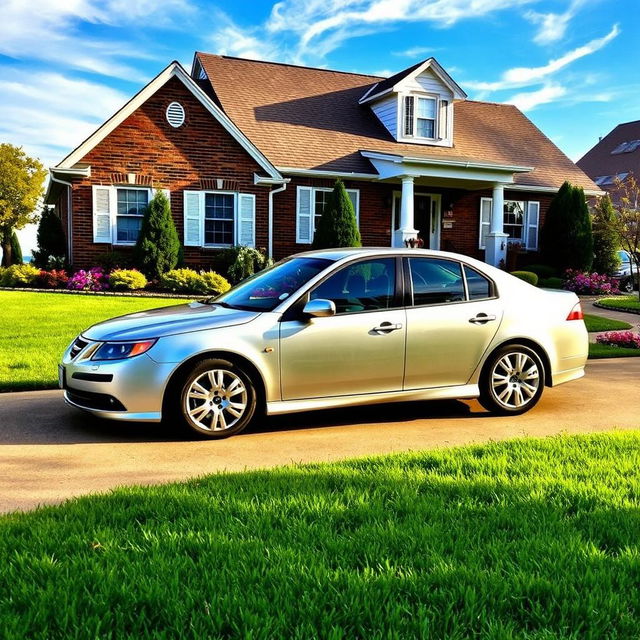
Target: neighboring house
[[615, 158], [248, 151]]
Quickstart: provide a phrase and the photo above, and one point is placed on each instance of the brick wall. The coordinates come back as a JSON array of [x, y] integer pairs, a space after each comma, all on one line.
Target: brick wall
[[169, 158]]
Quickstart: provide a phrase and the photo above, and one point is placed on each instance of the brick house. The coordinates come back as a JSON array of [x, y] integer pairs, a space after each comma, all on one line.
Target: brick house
[[248, 150], [615, 158]]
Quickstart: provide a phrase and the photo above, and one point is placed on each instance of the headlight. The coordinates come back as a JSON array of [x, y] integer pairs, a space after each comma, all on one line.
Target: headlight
[[121, 350]]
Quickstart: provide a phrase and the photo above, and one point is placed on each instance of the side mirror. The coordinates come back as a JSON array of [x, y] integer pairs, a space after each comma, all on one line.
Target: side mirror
[[319, 308]]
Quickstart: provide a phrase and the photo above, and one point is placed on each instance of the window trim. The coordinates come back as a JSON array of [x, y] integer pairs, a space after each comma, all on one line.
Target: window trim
[[114, 227], [236, 231], [525, 223], [415, 96]]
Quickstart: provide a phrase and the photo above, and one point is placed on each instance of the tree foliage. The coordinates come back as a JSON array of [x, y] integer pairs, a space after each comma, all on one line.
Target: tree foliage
[[158, 246], [627, 222], [51, 239], [337, 226], [21, 184], [567, 237], [606, 240]]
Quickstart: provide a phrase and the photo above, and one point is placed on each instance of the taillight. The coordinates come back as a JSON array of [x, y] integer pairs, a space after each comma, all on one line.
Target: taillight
[[576, 313]]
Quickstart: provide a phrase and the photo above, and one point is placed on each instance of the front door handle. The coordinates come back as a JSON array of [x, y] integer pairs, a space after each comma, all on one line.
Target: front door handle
[[482, 318], [386, 327]]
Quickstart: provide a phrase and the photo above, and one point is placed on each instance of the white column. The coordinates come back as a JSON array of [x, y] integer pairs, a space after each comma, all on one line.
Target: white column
[[407, 229], [496, 246]]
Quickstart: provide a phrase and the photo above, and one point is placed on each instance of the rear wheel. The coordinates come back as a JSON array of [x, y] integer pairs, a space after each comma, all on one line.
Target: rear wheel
[[217, 399], [512, 380]]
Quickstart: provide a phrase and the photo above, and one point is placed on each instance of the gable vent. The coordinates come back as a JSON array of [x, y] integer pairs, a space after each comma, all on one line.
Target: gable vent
[[175, 114]]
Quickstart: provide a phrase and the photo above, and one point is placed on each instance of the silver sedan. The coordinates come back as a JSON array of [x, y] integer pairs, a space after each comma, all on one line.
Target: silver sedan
[[332, 328]]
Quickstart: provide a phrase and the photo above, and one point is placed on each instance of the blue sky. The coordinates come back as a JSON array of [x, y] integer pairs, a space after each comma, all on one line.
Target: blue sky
[[571, 65]]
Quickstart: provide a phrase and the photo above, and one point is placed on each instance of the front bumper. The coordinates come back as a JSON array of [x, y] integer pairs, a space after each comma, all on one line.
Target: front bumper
[[130, 389]]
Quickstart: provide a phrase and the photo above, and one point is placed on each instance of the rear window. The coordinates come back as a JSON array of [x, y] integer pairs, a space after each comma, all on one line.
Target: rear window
[[478, 286], [436, 281]]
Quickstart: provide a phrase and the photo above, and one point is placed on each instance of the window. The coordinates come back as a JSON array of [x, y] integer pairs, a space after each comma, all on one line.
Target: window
[[311, 203], [131, 207], [364, 286], [626, 147], [514, 220], [219, 209], [420, 117], [436, 281], [478, 286]]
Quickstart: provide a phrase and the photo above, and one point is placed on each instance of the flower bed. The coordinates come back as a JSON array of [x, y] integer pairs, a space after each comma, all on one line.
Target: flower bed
[[590, 283], [626, 339]]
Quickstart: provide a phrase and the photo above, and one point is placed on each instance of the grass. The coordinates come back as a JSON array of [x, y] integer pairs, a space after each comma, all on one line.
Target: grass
[[597, 350], [35, 328], [598, 323], [621, 302], [527, 539]]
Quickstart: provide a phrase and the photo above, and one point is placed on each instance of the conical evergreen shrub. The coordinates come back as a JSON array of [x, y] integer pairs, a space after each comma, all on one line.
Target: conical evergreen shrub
[[52, 242], [606, 240], [337, 226]]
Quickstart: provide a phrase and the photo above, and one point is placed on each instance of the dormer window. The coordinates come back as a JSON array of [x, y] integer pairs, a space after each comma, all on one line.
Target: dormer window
[[421, 117]]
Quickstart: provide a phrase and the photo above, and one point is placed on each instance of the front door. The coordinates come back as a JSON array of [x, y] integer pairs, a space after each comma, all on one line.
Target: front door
[[422, 219], [358, 350]]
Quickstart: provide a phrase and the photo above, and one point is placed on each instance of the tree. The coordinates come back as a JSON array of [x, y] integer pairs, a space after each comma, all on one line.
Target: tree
[[158, 246], [16, 249], [567, 238], [337, 226], [627, 223], [606, 240], [51, 239], [21, 181]]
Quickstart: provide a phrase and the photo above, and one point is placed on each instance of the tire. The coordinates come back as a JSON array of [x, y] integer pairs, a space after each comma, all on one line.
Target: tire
[[216, 400], [626, 285], [512, 380]]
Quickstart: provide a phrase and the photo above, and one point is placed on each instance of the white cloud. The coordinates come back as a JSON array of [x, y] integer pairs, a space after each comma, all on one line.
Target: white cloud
[[553, 26], [525, 76], [414, 52], [50, 30], [528, 100]]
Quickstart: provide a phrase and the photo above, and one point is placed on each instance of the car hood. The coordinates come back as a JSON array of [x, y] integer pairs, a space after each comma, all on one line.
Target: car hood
[[167, 321]]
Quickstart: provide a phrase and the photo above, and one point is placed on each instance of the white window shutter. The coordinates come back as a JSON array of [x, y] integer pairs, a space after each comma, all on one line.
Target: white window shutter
[[533, 223], [408, 115], [443, 124], [354, 196], [193, 218], [304, 216], [485, 220], [247, 219], [104, 204]]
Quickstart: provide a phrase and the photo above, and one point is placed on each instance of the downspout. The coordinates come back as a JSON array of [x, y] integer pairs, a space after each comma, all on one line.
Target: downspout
[[69, 216], [283, 185]]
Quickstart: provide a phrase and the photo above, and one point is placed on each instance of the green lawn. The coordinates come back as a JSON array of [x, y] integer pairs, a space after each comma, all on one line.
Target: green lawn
[[607, 351], [621, 302], [598, 323], [535, 539], [35, 328]]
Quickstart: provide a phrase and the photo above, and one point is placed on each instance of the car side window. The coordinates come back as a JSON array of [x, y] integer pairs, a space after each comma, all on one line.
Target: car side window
[[364, 286], [478, 286], [436, 281]]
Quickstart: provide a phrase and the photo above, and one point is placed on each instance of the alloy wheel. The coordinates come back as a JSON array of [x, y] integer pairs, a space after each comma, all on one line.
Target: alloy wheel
[[515, 380]]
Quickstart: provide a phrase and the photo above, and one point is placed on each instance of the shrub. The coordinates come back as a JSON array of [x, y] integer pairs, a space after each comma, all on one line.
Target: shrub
[[551, 283], [589, 283], [51, 239], [527, 276], [186, 280], [20, 275], [93, 280], [567, 239], [16, 249], [606, 239], [110, 260], [626, 339], [158, 247], [247, 262], [214, 283], [337, 226], [54, 279], [542, 270], [127, 279]]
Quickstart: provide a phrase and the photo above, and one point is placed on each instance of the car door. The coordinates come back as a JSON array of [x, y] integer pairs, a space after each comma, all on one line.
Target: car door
[[449, 325], [358, 350]]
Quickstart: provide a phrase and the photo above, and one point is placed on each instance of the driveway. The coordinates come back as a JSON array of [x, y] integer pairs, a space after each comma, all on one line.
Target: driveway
[[50, 452]]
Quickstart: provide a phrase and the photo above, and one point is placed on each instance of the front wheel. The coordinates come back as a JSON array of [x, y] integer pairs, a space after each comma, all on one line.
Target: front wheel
[[217, 399], [512, 380]]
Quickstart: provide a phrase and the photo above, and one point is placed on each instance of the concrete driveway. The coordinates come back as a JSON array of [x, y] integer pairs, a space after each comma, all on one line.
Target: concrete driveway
[[50, 452]]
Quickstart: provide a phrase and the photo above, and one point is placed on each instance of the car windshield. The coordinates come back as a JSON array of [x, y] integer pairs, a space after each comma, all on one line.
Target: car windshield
[[267, 289]]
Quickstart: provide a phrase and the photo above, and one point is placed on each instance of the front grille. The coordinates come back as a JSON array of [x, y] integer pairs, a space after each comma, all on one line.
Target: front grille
[[90, 400], [77, 347]]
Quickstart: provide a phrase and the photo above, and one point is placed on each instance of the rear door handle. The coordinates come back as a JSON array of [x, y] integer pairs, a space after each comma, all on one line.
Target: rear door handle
[[386, 327], [482, 318]]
